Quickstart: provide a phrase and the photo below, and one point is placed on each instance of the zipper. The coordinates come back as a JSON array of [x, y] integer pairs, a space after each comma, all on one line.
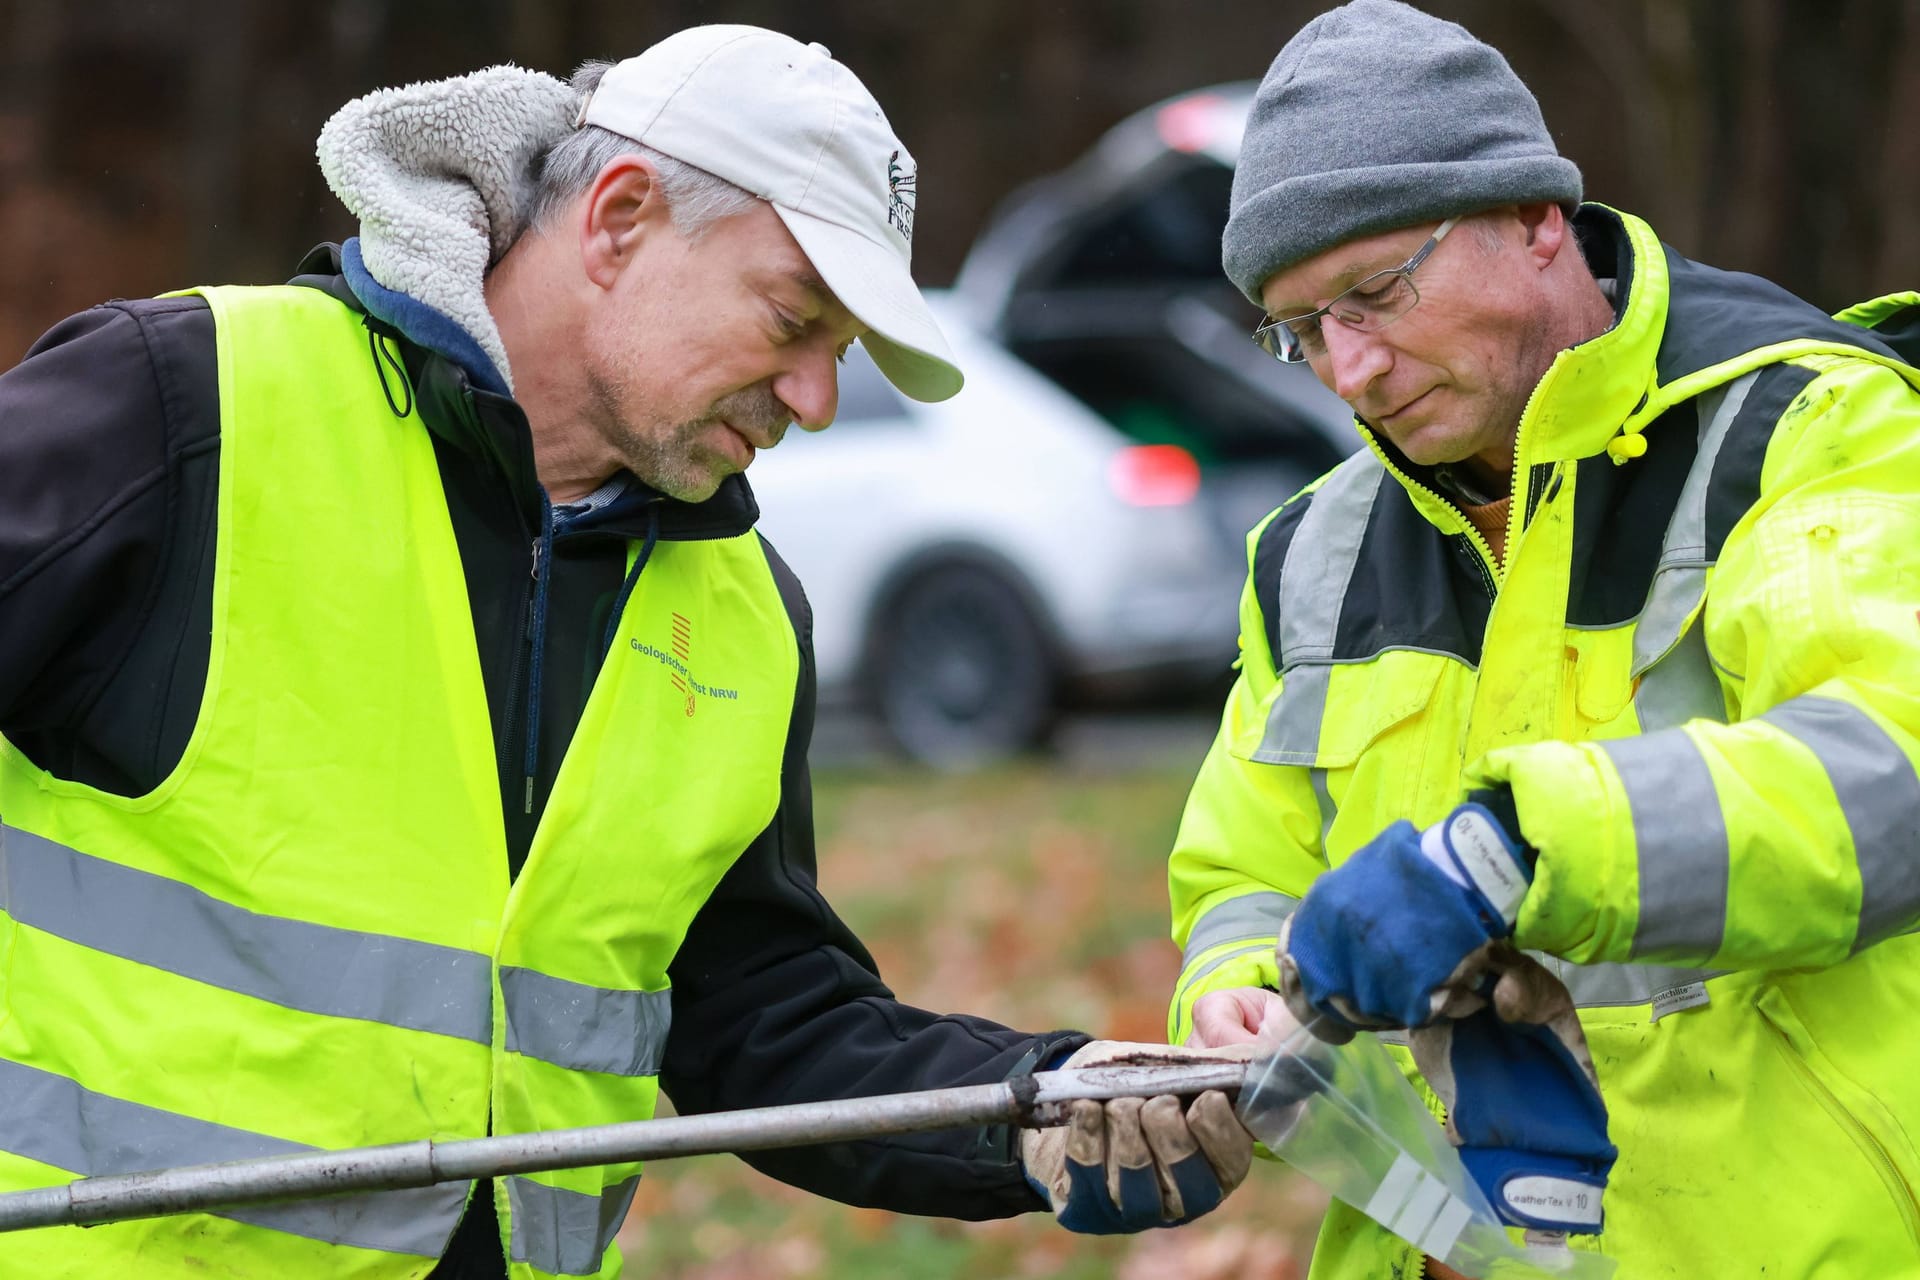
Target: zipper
[[1863, 1138], [1469, 532], [1490, 566], [537, 649], [504, 748], [1518, 512]]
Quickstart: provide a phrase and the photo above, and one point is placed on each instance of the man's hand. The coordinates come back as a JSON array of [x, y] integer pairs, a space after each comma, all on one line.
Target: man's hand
[[1127, 1165], [1237, 1015], [1399, 933]]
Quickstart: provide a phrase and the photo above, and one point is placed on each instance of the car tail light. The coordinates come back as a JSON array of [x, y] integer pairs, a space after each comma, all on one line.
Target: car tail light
[[1154, 475], [1189, 124]]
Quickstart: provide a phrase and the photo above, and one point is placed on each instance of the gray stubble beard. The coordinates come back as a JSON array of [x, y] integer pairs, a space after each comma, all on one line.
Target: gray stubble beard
[[673, 459]]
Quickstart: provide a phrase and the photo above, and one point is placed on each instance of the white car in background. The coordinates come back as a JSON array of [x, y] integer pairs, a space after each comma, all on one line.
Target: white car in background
[[1071, 526]]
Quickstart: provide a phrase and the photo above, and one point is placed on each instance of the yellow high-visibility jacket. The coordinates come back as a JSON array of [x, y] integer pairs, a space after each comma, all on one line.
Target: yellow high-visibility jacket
[[1698, 672]]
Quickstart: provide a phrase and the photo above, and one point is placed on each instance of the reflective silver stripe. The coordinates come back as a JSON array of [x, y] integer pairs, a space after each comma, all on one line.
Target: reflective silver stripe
[[1253, 915], [1328, 811], [1681, 686], [569, 1024], [53, 1120], [565, 1233], [1676, 590], [1293, 726], [1670, 658], [1681, 838], [1681, 575], [1879, 793], [1595, 986], [1187, 983], [174, 927], [1314, 579], [1321, 558]]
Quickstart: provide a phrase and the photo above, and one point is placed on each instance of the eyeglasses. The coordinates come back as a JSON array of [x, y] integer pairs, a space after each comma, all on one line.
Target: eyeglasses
[[1372, 304]]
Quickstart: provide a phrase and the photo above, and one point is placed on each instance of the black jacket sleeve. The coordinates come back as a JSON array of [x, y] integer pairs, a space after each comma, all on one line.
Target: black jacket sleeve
[[109, 432], [775, 1001]]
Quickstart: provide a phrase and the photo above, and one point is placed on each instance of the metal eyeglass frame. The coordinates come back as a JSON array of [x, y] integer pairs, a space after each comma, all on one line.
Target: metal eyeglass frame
[[1269, 335]]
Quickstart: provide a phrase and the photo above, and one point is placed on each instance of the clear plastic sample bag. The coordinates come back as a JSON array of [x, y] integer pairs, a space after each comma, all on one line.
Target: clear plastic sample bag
[[1345, 1116]]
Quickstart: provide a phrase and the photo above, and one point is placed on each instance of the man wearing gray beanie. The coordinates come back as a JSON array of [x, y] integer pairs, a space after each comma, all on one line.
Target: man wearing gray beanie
[[1601, 651]]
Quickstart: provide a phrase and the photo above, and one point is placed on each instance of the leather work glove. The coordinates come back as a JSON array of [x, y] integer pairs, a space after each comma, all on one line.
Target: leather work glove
[[1399, 933], [1523, 1103], [1131, 1164]]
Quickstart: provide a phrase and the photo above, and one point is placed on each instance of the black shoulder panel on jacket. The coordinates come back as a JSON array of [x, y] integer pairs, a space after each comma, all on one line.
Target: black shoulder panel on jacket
[[1735, 484], [1269, 558], [1412, 587], [1901, 331], [1714, 316], [1406, 591], [1620, 517]]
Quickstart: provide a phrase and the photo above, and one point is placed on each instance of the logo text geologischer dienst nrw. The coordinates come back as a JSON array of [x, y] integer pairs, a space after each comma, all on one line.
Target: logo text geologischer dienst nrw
[[677, 659]]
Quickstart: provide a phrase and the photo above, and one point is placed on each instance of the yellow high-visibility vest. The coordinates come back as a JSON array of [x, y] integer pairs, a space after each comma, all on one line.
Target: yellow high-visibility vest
[[305, 937]]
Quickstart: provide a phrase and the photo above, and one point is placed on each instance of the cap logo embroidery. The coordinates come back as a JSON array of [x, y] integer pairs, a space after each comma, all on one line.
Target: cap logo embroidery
[[901, 196]]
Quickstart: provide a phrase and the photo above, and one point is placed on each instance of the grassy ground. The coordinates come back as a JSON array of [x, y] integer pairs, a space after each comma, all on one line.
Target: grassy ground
[[1035, 895]]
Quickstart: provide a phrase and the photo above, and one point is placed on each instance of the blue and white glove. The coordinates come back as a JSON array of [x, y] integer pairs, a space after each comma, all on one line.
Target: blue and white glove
[[1412, 931], [1396, 935], [1523, 1104], [1128, 1165]]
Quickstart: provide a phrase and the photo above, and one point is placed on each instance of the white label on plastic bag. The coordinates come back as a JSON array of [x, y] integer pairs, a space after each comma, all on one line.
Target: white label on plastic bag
[[1394, 1190], [1556, 1199], [1416, 1206], [1446, 1229]]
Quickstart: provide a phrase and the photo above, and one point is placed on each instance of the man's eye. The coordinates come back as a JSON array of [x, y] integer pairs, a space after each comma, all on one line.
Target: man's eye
[[787, 325], [1377, 292]]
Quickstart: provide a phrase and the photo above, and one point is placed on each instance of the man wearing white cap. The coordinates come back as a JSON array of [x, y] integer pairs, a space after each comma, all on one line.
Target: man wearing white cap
[[405, 730]]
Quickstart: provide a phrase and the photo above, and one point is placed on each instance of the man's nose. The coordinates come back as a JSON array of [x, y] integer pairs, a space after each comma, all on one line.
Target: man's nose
[[810, 389], [1353, 362]]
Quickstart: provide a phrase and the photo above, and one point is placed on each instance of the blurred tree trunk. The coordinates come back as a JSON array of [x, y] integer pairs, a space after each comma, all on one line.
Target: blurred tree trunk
[[1836, 73], [27, 58], [221, 53], [537, 32], [1741, 188], [1897, 189]]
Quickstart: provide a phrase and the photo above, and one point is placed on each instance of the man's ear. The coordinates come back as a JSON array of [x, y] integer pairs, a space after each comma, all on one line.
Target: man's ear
[[1548, 231], [621, 209]]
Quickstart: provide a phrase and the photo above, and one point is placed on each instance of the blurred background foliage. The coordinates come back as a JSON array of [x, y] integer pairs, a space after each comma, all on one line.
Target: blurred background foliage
[[148, 144]]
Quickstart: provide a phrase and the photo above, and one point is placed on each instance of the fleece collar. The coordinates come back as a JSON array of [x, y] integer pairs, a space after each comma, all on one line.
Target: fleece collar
[[439, 174]]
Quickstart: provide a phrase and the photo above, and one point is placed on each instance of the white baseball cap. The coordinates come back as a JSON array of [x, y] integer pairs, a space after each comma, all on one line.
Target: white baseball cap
[[786, 122]]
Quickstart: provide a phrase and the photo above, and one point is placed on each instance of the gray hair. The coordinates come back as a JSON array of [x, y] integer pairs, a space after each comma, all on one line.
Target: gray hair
[[695, 198]]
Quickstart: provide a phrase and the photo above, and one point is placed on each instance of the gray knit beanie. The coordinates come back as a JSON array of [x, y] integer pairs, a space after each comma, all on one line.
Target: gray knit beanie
[[1378, 116]]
